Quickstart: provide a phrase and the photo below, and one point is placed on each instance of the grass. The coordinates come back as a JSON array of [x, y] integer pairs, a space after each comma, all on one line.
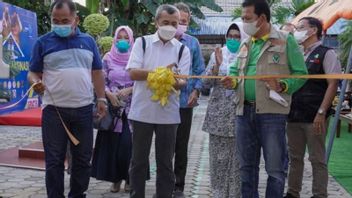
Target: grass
[[340, 164]]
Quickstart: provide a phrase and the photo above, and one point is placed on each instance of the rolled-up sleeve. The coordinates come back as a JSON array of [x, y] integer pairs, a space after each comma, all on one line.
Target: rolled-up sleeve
[[296, 65], [198, 66], [36, 61], [331, 63], [185, 62], [136, 58]]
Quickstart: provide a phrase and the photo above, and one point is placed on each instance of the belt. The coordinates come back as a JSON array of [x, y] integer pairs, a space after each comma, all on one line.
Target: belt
[[250, 103]]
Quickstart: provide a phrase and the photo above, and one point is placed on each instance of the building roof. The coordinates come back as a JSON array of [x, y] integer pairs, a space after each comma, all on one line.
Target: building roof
[[217, 23], [228, 7], [212, 25]]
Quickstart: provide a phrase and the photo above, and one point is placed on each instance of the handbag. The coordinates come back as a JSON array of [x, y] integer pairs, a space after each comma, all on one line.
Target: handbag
[[109, 121]]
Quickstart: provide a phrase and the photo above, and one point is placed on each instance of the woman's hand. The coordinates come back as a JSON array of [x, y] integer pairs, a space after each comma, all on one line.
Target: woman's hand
[[112, 98], [218, 61], [218, 56], [124, 93]]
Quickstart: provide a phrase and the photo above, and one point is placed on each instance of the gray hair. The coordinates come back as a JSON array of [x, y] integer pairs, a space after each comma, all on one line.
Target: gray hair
[[183, 7], [170, 9]]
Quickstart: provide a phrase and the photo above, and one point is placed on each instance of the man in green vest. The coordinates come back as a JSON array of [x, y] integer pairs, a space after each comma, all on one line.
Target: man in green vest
[[263, 105]]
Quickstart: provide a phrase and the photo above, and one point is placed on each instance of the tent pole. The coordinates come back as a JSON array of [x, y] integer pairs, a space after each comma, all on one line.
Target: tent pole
[[338, 109]]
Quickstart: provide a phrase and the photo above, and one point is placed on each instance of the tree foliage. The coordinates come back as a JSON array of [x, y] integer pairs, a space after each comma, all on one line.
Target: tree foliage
[[282, 13], [345, 40], [139, 15]]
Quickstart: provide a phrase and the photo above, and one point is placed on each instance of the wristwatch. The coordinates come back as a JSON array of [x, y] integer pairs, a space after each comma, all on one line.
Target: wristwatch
[[321, 111], [104, 100]]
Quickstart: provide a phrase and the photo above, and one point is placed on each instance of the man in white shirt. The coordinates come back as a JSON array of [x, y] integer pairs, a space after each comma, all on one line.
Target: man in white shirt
[[158, 50]]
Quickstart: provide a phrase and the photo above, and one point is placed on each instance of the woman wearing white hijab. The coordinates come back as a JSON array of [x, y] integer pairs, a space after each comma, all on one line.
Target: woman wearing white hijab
[[220, 118]]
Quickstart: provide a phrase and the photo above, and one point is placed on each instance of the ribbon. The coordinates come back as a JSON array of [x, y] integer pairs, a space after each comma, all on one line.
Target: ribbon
[[69, 134], [259, 77], [161, 82]]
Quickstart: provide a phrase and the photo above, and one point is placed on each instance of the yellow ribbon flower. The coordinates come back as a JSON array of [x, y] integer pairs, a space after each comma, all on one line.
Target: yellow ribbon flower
[[161, 82]]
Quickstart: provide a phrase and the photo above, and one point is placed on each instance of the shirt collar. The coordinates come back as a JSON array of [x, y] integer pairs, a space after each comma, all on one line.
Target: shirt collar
[[312, 47], [155, 38], [183, 37], [263, 38]]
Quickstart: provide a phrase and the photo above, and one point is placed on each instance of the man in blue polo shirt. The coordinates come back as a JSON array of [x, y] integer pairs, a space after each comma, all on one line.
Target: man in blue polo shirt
[[64, 64]]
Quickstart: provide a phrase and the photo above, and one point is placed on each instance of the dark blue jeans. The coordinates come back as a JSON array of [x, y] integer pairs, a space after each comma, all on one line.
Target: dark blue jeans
[[256, 131], [79, 121]]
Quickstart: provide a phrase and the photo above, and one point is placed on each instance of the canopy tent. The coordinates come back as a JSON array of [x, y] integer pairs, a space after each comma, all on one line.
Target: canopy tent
[[328, 11]]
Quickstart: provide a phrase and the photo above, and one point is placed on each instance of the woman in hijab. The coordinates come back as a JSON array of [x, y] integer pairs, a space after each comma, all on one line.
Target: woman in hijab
[[112, 153], [220, 120]]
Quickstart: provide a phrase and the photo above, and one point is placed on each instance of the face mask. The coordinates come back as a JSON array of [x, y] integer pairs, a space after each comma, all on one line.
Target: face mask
[[300, 36], [167, 32], [250, 28], [232, 45], [62, 30], [181, 29], [122, 46]]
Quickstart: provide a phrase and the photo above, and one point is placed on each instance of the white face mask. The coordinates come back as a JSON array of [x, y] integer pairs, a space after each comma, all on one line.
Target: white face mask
[[250, 28], [300, 36], [167, 32]]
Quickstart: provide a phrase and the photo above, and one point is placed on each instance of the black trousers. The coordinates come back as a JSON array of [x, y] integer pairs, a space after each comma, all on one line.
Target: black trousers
[[182, 138], [165, 137]]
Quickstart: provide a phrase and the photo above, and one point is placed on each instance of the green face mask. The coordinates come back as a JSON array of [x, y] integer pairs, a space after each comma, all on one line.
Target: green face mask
[[232, 45]]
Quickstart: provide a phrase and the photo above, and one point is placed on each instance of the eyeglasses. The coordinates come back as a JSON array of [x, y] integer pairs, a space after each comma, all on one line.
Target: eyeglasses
[[302, 27], [237, 36]]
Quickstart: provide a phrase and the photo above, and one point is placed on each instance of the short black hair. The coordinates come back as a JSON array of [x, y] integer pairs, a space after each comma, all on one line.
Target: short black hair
[[60, 3], [233, 26], [314, 22], [260, 7]]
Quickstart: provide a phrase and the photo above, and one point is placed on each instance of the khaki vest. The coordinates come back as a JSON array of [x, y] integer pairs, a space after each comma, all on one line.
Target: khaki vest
[[272, 60]]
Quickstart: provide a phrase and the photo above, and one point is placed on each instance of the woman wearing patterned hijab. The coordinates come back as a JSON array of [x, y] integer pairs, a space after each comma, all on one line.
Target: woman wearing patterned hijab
[[113, 148]]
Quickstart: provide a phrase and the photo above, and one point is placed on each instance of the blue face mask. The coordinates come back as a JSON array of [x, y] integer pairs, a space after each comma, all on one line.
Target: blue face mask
[[232, 45], [122, 46], [62, 30]]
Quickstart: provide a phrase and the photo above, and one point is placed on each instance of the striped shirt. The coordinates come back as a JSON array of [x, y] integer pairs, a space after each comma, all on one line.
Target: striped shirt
[[66, 64]]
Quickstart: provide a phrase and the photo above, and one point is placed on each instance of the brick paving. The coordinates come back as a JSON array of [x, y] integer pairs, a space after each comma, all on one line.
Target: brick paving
[[16, 182]]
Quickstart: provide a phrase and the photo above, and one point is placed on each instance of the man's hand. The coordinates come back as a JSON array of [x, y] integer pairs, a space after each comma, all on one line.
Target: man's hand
[[193, 98], [39, 87], [171, 66], [319, 124], [180, 83], [227, 82], [273, 84], [101, 109]]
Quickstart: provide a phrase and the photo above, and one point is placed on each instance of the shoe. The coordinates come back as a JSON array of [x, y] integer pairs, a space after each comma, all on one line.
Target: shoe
[[115, 187], [288, 195], [178, 194], [127, 188]]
